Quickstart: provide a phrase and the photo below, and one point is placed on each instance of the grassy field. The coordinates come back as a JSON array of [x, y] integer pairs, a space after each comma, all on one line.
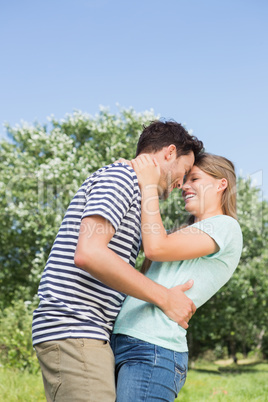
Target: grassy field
[[219, 381], [21, 386], [224, 381]]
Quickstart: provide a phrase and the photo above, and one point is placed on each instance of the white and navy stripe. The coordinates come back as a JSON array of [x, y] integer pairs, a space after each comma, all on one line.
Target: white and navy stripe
[[73, 304]]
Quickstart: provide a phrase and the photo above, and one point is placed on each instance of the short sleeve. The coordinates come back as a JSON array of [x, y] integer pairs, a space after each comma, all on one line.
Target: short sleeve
[[111, 194], [226, 232]]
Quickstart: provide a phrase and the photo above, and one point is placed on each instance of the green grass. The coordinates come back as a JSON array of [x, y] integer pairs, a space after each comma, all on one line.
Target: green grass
[[205, 382], [228, 383], [18, 386]]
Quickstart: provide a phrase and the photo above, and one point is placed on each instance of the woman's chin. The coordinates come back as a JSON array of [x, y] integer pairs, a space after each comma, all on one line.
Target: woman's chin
[[190, 208], [187, 206]]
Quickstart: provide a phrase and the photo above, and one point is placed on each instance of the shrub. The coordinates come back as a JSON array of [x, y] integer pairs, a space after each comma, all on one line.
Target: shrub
[[264, 347], [15, 337], [221, 352], [209, 355]]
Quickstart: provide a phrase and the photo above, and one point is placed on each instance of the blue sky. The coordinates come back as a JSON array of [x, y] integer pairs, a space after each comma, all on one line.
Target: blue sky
[[202, 63]]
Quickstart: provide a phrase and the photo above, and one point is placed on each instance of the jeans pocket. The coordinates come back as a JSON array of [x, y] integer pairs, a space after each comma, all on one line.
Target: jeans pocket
[[181, 366], [49, 360]]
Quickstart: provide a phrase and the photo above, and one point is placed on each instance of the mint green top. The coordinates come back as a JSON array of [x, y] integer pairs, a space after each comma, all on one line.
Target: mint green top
[[147, 322]]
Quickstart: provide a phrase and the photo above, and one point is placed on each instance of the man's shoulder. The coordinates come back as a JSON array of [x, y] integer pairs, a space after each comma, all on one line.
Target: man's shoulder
[[115, 171], [120, 168], [114, 178]]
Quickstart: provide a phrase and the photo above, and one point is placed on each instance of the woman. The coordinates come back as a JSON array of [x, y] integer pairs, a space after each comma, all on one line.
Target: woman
[[151, 352]]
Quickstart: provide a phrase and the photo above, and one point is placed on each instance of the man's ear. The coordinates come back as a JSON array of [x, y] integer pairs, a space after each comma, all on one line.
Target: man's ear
[[170, 152], [223, 183]]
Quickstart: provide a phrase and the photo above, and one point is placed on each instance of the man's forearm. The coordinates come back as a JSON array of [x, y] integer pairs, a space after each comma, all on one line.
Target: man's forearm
[[109, 268], [94, 256], [106, 266]]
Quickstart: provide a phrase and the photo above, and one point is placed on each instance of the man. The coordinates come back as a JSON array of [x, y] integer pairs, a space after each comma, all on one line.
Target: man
[[91, 268]]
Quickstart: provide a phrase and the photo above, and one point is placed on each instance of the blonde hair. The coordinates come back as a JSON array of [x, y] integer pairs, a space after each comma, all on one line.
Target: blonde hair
[[218, 167]]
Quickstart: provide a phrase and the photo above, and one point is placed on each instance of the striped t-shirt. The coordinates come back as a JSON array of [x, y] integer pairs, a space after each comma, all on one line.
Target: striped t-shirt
[[73, 304]]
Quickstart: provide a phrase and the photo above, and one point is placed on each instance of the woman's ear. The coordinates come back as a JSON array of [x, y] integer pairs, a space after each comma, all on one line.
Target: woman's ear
[[223, 183]]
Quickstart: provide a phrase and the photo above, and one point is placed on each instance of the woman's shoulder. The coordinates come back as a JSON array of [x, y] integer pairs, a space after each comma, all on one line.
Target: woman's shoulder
[[223, 225], [221, 219], [228, 221]]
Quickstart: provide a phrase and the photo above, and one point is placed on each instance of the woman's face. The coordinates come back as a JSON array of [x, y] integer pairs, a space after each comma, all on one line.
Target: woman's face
[[200, 193]]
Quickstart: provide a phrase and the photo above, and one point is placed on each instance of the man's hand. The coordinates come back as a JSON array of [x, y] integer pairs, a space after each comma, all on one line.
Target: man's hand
[[178, 307]]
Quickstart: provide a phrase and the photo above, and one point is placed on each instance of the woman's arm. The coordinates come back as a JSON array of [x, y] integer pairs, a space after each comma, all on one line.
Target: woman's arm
[[185, 244]]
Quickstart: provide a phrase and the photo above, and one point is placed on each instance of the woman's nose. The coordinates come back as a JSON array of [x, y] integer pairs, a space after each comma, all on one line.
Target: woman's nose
[[185, 186]]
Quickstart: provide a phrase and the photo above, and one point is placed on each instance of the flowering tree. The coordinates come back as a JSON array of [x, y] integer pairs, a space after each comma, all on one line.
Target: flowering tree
[[41, 169]]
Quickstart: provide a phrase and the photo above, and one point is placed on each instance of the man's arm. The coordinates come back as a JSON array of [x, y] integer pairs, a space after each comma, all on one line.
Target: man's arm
[[93, 255]]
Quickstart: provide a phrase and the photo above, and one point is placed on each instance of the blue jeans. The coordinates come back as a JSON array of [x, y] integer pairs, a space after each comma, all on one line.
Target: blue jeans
[[147, 372]]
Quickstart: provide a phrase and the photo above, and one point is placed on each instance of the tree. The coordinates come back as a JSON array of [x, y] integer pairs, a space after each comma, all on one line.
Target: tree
[[41, 171]]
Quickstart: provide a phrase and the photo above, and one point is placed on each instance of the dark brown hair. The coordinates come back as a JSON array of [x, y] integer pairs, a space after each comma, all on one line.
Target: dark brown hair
[[160, 134]]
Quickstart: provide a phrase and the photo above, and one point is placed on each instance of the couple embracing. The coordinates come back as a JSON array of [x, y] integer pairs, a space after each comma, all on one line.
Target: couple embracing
[[104, 331]]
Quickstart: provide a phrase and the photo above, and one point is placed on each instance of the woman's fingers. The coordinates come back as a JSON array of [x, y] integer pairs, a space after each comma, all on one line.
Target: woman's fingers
[[155, 162], [143, 160], [123, 160]]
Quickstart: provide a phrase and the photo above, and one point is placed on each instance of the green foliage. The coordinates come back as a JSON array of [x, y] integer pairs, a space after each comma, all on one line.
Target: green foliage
[[41, 169], [21, 386], [265, 346], [16, 338]]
